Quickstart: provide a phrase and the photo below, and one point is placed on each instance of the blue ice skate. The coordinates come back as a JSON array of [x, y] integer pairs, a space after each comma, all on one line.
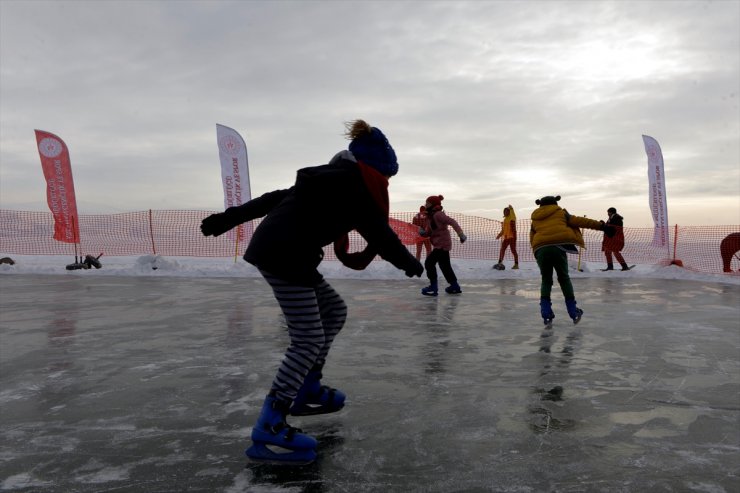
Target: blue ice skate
[[314, 398], [453, 288], [274, 441], [546, 312], [430, 290], [573, 311]]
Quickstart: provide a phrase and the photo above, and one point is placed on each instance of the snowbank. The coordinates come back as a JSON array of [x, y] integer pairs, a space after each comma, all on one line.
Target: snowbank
[[150, 265]]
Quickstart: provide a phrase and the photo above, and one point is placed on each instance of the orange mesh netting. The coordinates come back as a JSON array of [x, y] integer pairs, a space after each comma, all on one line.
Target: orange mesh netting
[[177, 233]]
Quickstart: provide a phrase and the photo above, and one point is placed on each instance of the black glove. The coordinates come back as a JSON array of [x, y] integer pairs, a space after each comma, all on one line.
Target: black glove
[[355, 260], [215, 225], [610, 231], [416, 269]]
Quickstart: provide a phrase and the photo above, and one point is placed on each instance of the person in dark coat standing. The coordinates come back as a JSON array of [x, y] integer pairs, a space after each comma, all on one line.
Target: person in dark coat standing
[[614, 245], [325, 204]]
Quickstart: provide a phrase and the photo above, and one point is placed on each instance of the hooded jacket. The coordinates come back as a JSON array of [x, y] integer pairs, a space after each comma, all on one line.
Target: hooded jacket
[[437, 228], [326, 203], [552, 225], [615, 243], [508, 227]]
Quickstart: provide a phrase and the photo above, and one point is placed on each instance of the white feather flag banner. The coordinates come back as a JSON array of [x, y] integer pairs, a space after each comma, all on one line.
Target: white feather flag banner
[[232, 152], [658, 203]]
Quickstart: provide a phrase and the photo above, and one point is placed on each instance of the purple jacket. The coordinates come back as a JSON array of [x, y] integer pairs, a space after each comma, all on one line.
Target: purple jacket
[[436, 229]]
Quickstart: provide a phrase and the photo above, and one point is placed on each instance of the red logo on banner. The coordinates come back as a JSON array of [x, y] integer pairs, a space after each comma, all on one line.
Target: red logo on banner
[[60, 189], [230, 145]]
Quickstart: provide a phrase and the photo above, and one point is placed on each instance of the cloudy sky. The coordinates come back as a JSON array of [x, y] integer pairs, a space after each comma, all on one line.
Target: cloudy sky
[[488, 103]]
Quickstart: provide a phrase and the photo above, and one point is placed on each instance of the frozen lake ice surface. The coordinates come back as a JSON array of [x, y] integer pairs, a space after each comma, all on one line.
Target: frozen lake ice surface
[[131, 378]]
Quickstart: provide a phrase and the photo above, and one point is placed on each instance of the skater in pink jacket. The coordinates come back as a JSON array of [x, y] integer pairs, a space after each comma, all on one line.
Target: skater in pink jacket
[[436, 229]]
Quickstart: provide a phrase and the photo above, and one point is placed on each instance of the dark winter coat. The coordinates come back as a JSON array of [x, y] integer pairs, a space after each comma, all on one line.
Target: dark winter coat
[[615, 243], [325, 203]]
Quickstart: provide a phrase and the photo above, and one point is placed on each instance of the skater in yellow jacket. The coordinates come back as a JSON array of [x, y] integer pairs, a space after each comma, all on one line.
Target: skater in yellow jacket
[[554, 233], [508, 232]]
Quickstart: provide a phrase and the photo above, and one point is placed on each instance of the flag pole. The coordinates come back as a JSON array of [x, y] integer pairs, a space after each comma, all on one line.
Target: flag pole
[[675, 261], [236, 244]]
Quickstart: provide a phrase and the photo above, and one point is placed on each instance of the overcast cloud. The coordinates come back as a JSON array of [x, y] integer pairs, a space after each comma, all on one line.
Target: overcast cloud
[[486, 102]]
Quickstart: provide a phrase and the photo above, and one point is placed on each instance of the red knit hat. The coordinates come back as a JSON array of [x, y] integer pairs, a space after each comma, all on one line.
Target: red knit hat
[[435, 200]]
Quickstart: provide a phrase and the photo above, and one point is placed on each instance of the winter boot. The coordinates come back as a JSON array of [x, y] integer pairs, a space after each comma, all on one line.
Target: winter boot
[[625, 267], [609, 266], [546, 311], [453, 288], [430, 290], [314, 398], [516, 267], [573, 311], [273, 440], [499, 266]]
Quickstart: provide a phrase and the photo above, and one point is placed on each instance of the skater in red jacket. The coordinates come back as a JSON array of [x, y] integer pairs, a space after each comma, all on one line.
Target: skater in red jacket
[[615, 244], [419, 220]]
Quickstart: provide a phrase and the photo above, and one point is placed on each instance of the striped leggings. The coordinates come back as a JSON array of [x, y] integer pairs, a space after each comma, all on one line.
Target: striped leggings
[[315, 315]]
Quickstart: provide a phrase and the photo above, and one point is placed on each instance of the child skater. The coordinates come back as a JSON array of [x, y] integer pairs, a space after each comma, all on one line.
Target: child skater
[[326, 203], [436, 230], [554, 233], [420, 220], [508, 231]]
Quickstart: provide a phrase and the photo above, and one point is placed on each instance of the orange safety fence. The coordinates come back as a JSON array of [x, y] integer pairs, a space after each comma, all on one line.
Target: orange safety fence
[[177, 233]]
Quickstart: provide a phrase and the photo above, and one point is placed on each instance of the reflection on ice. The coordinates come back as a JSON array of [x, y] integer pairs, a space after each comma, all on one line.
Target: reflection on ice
[[151, 384]]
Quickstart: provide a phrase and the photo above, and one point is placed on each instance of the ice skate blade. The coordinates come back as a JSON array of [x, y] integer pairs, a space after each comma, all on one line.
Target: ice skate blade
[[309, 410], [264, 453]]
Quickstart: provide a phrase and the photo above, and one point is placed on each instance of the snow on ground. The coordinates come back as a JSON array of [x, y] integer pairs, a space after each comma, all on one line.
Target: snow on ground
[[151, 265]]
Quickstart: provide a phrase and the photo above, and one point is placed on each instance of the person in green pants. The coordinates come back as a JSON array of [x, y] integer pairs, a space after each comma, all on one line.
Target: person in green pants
[[555, 233]]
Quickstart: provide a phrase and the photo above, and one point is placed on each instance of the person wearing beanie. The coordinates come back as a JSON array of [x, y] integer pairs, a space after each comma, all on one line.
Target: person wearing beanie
[[322, 207], [615, 244], [436, 229], [554, 233], [508, 232], [419, 221]]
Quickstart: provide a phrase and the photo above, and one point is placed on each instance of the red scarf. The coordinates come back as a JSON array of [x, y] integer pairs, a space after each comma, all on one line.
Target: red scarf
[[377, 185]]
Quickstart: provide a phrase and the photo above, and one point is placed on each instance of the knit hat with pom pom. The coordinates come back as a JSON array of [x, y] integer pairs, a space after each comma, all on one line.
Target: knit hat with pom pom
[[373, 149], [548, 200], [435, 200]]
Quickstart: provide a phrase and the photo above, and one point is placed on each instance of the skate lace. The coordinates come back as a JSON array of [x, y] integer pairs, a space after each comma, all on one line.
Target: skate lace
[[289, 433], [331, 392]]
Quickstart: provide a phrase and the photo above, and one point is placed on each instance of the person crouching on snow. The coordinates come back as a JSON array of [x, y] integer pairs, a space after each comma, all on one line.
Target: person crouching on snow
[[436, 230], [555, 233], [324, 205]]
